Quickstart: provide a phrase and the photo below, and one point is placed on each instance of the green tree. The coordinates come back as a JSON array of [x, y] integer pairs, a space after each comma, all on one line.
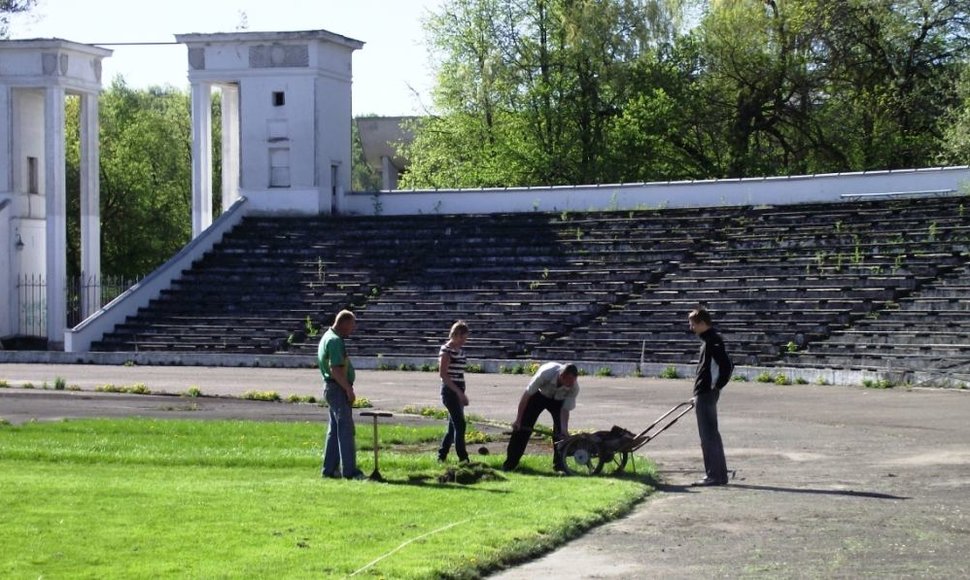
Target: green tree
[[10, 7], [895, 66], [821, 85], [362, 177], [145, 175], [956, 125], [527, 89]]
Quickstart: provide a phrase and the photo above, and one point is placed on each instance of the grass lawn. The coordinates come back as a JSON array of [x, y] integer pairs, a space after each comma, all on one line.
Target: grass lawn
[[162, 498]]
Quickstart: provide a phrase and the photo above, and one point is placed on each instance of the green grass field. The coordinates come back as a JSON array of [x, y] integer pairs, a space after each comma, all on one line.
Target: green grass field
[[164, 498]]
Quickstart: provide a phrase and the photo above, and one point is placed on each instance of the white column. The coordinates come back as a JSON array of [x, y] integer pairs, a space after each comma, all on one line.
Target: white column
[[90, 207], [201, 157], [8, 277], [6, 140], [230, 145], [56, 205]]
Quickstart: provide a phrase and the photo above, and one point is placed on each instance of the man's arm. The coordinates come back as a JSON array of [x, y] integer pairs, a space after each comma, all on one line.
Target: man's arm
[[339, 374], [564, 422], [523, 402], [724, 365]]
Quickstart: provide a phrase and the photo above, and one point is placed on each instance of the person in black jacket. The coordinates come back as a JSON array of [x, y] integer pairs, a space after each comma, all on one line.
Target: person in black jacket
[[713, 373]]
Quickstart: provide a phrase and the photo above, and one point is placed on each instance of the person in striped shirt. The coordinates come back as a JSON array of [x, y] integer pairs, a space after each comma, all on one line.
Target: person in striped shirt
[[451, 369]]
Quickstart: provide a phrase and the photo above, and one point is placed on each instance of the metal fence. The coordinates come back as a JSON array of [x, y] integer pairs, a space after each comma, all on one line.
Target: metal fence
[[32, 293]]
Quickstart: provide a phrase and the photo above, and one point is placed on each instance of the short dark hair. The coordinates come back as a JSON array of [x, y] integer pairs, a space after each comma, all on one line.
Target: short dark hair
[[570, 369], [700, 315]]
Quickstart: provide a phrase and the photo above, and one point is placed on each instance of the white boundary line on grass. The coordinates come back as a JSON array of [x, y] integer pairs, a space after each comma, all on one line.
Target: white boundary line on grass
[[415, 539]]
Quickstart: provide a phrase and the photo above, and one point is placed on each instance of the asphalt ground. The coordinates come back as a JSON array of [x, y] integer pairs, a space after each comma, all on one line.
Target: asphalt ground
[[828, 481]]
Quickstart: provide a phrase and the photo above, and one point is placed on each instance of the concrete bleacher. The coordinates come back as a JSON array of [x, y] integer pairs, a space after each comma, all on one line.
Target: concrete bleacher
[[799, 284]]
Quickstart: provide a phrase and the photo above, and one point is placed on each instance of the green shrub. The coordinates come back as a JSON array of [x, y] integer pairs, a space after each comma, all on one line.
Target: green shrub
[[670, 373], [801, 381], [406, 367], [740, 378], [430, 368], [28, 385], [474, 368], [474, 437], [193, 392], [432, 412], [877, 384], [73, 387], [821, 381], [136, 389], [254, 395], [533, 368], [362, 403], [301, 399], [604, 372], [59, 384], [4, 384], [764, 377], [781, 379]]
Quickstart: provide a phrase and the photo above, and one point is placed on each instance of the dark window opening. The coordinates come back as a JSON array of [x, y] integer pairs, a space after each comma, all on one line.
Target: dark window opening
[[33, 178], [279, 98]]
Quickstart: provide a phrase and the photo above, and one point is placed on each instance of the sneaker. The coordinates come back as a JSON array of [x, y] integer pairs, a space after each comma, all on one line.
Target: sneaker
[[709, 482]]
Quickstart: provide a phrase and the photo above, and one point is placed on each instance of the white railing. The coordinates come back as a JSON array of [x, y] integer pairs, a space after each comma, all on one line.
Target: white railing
[[80, 338]]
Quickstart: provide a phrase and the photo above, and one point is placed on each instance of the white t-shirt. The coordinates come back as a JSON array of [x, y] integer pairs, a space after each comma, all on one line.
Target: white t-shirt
[[545, 381]]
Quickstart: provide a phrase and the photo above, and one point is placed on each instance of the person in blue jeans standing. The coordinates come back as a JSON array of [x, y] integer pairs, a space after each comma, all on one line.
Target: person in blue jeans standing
[[451, 368], [340, 451]]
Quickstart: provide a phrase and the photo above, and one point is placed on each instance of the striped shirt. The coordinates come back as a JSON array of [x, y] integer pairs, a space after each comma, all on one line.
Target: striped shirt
[[456, 364]]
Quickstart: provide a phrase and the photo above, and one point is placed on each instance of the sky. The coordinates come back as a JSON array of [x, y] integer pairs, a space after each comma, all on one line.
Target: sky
[[392, 75]]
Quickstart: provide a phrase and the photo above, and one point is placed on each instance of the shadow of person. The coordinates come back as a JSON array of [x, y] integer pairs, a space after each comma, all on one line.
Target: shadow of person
[[843, 492]]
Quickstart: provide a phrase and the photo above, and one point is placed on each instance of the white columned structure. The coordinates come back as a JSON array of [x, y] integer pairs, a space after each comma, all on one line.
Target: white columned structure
[[36, 76], [286, 114], [230, 145], [201, 157], [55, 192], [90, 207]]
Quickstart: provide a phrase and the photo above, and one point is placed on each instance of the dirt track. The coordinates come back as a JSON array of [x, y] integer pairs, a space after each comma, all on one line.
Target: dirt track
[[829, 481]]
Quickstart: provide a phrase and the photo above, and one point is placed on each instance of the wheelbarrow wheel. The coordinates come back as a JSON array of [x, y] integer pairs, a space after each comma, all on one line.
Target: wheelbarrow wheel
[[613, 463], [580, 456]]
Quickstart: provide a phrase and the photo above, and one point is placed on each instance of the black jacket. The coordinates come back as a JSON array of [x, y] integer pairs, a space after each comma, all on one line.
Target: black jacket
[[714, 366]]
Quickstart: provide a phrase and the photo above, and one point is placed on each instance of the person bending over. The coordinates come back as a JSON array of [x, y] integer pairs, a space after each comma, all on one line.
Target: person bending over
[[553, 388]]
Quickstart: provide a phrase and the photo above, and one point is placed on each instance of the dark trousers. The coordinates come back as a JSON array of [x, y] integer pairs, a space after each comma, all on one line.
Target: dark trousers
[[520, 439], [456, 426], [705, 408]]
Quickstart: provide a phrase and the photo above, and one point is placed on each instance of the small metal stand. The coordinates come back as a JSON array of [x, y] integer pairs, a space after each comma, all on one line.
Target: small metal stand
[[376, 474]]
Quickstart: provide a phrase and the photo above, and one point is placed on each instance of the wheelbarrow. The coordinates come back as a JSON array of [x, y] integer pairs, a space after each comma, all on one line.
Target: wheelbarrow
[[609, 451]]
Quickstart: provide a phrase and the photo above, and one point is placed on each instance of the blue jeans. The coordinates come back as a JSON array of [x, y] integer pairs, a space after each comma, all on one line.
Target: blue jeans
[[340, 449], [456, 425], [715, 466]]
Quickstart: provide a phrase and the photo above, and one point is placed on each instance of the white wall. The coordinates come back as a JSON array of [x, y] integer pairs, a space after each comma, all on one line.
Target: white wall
[[28, 127], [752, 191]]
